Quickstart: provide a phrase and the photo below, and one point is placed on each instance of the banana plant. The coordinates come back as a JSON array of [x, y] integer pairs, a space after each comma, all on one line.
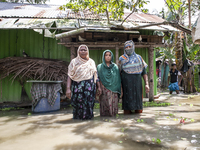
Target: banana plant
[[190, 53], [168, 51]]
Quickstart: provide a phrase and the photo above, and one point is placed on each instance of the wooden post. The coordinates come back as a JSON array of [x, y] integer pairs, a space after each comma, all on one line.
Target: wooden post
[[151, 74], [73, 52], [117, 54]]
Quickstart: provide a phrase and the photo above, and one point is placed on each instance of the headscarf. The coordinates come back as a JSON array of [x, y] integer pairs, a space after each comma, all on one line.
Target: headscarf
[[131, 62], [129, 51], [109, 76], [80, 69]]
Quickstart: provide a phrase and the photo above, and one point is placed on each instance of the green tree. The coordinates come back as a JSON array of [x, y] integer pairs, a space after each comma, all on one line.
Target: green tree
[[180, 9], [165, 53], [176, 10], [184, 48], [114, 9]]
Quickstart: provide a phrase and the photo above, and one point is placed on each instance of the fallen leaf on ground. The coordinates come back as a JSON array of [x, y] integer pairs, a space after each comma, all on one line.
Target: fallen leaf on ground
[[184, 139]]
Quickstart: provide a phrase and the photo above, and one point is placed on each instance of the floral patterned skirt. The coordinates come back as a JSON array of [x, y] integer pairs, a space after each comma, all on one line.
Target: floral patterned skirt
[[83, 97], [108, 102]]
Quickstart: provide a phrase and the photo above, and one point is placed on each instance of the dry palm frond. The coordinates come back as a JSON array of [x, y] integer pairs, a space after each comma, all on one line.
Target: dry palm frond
[[33, 68]]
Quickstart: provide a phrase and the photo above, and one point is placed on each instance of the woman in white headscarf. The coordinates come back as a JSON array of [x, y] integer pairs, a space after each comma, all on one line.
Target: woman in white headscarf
[[81, 84]]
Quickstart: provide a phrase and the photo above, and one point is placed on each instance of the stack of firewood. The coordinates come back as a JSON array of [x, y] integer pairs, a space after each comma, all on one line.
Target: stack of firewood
[[33, 69]]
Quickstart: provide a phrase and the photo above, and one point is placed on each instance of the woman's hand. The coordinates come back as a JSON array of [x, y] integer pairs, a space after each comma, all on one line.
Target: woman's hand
[[99, 91], [147, 88], [68, 93]]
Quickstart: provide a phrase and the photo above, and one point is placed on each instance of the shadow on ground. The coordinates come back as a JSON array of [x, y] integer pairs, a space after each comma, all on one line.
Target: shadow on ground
[[156, 128]]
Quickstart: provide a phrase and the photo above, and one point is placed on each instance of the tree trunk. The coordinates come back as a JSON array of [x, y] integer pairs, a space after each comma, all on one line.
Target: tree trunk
[[193, 86], [189, 13], [151, 74], [184, 82], [178, 49], [188, 80]]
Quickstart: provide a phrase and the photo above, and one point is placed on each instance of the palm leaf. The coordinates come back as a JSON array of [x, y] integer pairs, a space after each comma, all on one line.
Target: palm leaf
[[194, 49], [169, 55], [185, 50], [185, 47], [197, 58]]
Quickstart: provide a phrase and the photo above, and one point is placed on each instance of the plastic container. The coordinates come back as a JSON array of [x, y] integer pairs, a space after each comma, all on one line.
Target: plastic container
[[44, 106]]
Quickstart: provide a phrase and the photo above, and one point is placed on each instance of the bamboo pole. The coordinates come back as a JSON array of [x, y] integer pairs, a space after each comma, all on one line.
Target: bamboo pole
[[70, 33], [117, 54]]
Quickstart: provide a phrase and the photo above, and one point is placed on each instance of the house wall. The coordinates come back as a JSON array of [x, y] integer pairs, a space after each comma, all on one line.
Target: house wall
[[13, 42]]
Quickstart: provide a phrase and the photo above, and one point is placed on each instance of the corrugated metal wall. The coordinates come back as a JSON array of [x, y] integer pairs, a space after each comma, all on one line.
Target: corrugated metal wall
[[13, 42]]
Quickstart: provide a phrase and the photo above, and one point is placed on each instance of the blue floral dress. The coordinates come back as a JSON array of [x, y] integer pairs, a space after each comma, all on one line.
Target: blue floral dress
[[83, 98]]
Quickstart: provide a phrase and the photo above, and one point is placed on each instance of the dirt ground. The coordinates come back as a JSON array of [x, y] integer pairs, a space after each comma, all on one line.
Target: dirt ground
[[157, 128]]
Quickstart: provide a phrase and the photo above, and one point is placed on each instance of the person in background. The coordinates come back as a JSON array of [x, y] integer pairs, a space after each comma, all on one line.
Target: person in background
[[133, 68], [81, 84], [110, 82], [173, 79], [157, 71]]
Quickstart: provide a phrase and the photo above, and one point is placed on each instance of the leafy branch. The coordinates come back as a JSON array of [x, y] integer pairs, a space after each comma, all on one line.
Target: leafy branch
[[134, 7], [114, 9]]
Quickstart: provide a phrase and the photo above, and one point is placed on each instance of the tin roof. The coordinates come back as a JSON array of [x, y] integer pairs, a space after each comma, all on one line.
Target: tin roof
[[141, 17], [43, 11], [17, 15]]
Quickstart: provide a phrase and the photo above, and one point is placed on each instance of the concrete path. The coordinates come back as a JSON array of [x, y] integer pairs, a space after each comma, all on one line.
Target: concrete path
[[155, 129]]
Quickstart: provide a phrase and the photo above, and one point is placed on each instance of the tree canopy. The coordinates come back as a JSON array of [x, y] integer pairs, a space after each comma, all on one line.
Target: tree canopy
[[179, 9], [114, 9]]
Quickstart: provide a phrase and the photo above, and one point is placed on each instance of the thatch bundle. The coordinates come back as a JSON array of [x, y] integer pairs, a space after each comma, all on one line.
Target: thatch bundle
[[33, 68]]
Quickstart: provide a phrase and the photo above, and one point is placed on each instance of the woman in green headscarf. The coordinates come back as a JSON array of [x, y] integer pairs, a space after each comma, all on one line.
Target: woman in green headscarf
[[110, 82]]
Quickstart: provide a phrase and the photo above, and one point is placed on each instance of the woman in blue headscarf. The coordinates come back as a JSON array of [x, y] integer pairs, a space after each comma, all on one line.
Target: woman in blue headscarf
[[110, 83], [133, 67]]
